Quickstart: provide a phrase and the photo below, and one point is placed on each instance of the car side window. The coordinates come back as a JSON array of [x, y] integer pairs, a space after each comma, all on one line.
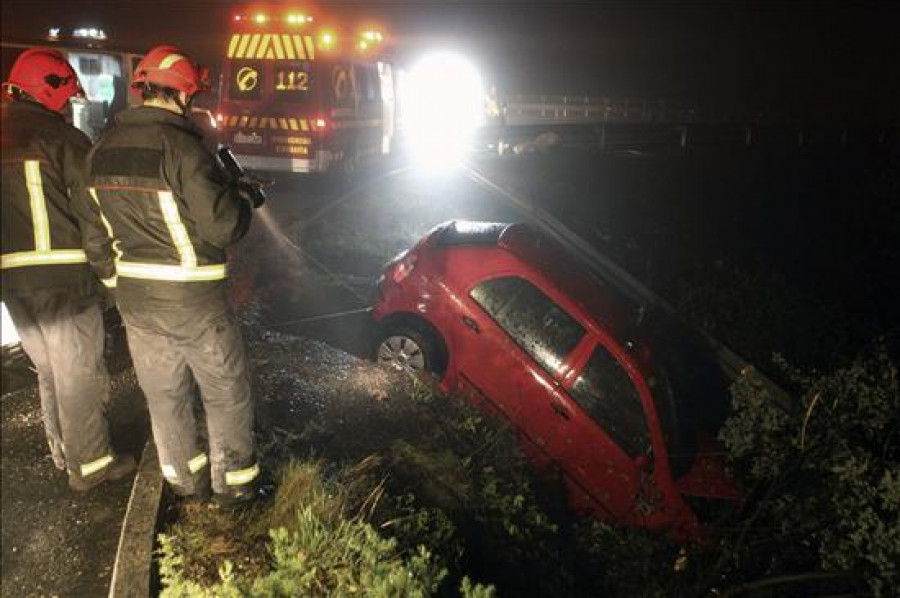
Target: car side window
[[605, 391], [537, 324]]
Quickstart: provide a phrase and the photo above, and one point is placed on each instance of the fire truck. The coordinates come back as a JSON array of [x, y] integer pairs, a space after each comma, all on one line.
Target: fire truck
[[296, 97], [105, 73]]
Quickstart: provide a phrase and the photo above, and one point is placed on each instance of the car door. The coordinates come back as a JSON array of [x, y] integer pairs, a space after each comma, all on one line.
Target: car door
[[512, 344], [613, 459]]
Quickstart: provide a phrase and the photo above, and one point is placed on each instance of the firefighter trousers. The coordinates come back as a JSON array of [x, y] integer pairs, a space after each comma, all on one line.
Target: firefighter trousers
[[62, 332], [175, 351]]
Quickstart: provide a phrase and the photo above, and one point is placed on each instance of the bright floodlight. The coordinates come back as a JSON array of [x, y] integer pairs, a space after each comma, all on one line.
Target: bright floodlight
[[443, 105]]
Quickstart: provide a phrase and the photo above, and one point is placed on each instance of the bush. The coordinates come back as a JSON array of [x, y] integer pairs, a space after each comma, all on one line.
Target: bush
[[313, 550], [822, 481]]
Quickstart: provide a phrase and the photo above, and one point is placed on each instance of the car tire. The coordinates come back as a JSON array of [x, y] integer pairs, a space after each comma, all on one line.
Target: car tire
[[411, 348]]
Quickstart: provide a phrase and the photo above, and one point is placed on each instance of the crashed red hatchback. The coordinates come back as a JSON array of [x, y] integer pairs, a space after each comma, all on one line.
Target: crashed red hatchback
[[618, 398]]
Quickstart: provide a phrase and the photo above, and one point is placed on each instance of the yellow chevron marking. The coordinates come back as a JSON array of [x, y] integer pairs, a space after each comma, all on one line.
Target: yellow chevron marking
[[298, 45], [311, 47], [244, 120], [253, 121], [293, 123], [263, 45], [288, 46], [233, 44], [283, 123], [254, 43], [276, 44], [304, 124], [242, 47]]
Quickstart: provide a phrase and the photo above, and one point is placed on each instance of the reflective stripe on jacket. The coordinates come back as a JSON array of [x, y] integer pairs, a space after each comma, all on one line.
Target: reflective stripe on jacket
[[162, 209], [43, 159]]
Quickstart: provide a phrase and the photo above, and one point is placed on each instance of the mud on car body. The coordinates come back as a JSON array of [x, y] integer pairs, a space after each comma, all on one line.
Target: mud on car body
[[619, 399]]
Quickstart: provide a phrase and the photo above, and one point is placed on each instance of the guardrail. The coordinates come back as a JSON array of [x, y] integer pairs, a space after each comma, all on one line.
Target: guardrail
[[521, 109]]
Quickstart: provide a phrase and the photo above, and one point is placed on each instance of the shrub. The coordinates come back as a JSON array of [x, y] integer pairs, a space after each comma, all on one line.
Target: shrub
[[822, 481], [316, 551]]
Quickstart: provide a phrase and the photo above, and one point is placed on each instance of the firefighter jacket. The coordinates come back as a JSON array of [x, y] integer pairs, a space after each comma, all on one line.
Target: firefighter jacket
[[43, 158], [162, 210]]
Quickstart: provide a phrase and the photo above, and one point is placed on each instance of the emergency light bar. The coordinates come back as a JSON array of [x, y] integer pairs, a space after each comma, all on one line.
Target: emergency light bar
[[92, 33], [55, 33], [326, 39], [262, 18], [369, 39]]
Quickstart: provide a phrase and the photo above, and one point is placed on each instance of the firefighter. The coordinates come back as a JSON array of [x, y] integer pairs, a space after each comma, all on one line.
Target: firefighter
[[49, 289], [163, 213]]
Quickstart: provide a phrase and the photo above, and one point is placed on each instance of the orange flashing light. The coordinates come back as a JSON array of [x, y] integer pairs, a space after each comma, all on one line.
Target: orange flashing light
[[369, 39], [261, 18], [327, 40]]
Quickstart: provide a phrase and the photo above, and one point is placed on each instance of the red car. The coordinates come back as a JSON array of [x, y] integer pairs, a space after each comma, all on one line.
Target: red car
[[619, 399]]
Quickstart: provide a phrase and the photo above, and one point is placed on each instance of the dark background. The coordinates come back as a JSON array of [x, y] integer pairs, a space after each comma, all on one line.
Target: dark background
[[807, 60]]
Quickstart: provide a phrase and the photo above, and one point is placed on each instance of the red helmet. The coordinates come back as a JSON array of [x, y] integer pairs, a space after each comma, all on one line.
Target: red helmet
[[167, 66], [46, 76]]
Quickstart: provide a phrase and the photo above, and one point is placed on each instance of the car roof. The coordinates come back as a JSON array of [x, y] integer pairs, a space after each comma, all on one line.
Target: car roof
[[600, 302]]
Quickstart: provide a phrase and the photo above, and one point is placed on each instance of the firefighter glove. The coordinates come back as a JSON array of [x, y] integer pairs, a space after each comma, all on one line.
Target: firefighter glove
[[251, 191]]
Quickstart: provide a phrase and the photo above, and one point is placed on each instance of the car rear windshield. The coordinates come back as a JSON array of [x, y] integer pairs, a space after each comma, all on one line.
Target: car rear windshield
[[469, 233]]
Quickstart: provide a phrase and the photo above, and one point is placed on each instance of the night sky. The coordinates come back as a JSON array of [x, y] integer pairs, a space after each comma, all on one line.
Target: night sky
[[813, 60]]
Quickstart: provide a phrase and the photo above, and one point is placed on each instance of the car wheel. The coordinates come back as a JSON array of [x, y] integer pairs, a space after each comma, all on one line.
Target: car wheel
[[405, 348]]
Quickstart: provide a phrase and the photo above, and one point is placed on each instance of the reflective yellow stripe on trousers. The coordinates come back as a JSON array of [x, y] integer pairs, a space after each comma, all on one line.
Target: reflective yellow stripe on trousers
[[242, 476], [194, 465], [198, 463], [95, 466], [43, 254]]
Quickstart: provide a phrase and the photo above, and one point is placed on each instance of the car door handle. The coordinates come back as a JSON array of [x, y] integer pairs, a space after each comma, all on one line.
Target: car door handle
[[558, 410], [472, 324]]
